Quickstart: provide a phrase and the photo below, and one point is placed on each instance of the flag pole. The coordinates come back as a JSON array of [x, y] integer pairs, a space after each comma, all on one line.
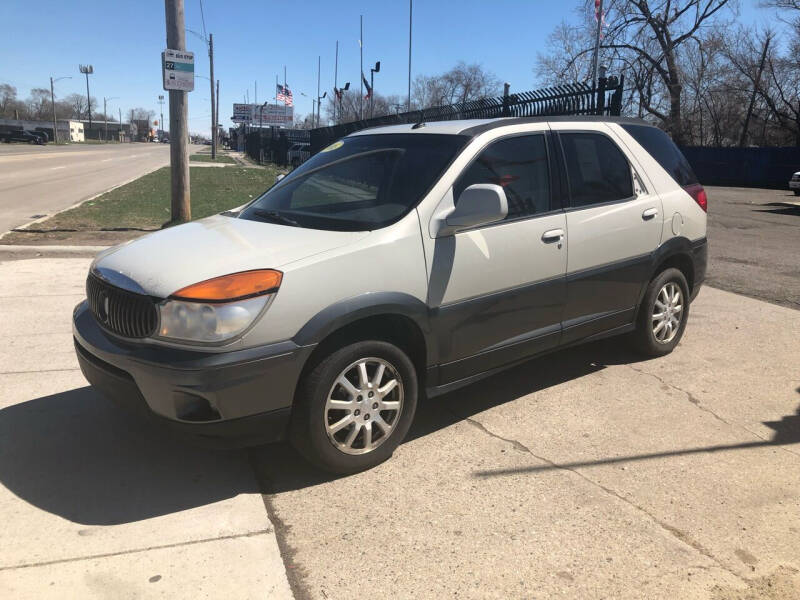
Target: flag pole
[[410, 12], [361, 49], [284, 95], [335, 81]]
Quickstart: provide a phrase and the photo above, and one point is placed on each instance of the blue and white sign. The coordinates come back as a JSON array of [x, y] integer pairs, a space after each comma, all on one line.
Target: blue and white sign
[[178, 70]]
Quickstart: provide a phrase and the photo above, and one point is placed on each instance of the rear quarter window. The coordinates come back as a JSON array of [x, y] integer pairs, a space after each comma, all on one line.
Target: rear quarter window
[[659, 145]]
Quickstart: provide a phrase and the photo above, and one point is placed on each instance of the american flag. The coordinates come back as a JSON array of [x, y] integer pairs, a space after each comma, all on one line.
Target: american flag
[[285, 95]]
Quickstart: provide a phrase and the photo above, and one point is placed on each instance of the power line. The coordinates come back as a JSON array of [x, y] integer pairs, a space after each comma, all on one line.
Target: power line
[[203, 17]]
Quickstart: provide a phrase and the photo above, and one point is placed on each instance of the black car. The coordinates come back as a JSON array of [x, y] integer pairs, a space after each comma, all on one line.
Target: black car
[[21, 136]]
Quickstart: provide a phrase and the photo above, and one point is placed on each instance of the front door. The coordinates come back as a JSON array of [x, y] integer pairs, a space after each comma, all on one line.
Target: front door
[[614, 225], [497, 291]]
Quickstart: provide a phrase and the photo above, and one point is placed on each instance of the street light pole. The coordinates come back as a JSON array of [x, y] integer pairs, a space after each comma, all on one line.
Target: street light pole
[[53, 103], [87, 70], [372, 72], [161, 105]]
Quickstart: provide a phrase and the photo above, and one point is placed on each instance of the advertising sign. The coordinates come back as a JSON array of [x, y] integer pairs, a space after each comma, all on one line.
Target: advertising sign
[[177, 67], [271, 115]]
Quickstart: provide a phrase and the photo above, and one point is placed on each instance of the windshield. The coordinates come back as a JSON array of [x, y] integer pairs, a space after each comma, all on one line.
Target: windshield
[[360, 183]]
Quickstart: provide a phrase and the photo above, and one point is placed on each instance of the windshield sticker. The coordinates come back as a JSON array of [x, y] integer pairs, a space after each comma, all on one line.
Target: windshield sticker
[[333, 146]]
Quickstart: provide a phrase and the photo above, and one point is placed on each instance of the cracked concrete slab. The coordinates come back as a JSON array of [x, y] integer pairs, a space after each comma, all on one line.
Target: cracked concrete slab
[[588, 473]]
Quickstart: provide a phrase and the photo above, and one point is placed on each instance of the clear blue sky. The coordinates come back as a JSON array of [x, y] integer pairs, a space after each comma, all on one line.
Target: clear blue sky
[[123, 40]]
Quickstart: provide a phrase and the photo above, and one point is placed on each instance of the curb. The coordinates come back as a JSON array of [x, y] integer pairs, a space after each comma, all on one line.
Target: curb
[[18, 251]]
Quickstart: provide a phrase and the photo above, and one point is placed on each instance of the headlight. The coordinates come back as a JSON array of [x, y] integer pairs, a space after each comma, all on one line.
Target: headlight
[[217, 309]]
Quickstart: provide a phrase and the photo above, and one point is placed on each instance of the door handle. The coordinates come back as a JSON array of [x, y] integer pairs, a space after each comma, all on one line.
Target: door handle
[[650, 213], [553, 235]]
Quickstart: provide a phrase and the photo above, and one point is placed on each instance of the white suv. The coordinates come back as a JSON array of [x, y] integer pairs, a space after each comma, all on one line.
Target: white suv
[[399, 262]]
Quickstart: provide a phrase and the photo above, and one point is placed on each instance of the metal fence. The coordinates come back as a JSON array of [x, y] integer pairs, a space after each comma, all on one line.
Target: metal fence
[[266, 144], [770, 167], [567, 99]]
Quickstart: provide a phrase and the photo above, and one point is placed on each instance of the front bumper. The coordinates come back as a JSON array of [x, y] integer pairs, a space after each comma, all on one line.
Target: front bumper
[[794, 184], [243, 396]]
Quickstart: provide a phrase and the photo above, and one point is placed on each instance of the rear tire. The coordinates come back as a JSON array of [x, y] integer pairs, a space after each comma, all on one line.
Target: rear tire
[[662, 314], [337, 402], [797, 192]]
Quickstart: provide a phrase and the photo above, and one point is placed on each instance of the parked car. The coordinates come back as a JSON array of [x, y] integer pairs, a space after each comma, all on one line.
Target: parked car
[[42, 134], [20, 135], [794, 183], [298, 154], [397, 262]]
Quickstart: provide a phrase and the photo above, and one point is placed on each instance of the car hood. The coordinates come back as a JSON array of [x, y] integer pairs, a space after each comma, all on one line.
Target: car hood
[[165, 261]]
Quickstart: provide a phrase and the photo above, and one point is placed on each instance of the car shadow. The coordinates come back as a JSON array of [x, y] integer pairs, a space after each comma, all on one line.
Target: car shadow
[[279, 468], [781, 208], [76, 455]]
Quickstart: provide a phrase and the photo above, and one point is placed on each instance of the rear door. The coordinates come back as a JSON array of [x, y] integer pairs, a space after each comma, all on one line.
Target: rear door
[[614, 224]]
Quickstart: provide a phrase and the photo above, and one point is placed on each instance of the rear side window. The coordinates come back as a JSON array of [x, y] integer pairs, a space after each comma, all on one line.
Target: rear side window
[[519, 165], [664, 150], [597, 170]]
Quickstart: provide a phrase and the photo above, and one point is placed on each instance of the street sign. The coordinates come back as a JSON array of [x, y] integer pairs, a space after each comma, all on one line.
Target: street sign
[[177, 67]]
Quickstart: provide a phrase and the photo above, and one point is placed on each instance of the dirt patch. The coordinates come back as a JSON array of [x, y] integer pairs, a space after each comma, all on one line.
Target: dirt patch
[[782, 584]]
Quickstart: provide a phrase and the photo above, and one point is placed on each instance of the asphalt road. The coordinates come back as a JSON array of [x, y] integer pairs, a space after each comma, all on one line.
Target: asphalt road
[[41, 180], [754, 243]]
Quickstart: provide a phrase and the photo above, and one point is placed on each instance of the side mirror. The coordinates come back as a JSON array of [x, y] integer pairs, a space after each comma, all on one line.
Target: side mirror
[[479, 204]]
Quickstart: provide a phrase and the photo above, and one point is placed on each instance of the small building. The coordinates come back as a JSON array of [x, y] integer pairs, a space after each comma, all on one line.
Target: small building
[[75, 131]]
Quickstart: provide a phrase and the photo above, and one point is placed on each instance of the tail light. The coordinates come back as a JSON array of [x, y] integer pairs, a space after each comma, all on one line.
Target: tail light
[[697, 192]]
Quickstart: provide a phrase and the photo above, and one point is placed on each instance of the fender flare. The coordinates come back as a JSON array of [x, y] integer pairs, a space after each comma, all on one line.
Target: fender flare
[[356, 308]]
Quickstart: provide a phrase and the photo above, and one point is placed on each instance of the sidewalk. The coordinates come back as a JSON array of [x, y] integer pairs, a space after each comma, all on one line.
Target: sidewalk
[[95, 505]]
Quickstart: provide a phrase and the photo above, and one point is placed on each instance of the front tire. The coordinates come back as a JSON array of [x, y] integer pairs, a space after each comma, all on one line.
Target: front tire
[[354, 407], [663, 314]]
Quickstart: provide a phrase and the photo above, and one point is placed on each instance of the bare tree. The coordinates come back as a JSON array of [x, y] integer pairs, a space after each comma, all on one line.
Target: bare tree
[[8, 95], [462, 83]]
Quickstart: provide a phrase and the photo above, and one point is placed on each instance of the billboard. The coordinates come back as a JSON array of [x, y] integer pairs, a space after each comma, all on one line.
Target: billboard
[[270, 115]]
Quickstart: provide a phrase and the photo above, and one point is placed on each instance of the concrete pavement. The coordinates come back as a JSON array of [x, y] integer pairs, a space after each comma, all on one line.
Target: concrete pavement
[[753, 244], [586, 474], [41, 180], [95, 505]]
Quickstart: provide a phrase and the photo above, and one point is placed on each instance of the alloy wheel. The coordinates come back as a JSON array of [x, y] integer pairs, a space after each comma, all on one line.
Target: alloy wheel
[[363, 406], [667, 312]]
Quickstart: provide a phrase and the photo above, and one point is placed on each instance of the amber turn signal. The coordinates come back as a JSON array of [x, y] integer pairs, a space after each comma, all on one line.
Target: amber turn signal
[[236, 286]]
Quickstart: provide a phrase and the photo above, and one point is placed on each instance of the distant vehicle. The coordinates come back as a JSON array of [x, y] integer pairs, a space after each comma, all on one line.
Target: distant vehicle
[[21, 136], [794, 184], [165, 140], [42, 135], [298, 154]]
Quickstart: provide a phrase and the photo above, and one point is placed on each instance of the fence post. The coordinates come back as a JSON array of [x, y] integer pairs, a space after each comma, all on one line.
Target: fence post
[[601, 95], [506, 107], [615, 108]]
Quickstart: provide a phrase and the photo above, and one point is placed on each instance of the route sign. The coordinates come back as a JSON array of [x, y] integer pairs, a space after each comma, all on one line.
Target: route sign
[[177, 67]]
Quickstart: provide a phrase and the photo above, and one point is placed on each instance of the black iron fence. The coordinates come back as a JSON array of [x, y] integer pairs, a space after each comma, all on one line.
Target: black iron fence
[[567, 99], [271, 144]]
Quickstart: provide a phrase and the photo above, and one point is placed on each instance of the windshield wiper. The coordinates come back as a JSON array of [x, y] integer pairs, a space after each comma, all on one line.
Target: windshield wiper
[[275, 217]]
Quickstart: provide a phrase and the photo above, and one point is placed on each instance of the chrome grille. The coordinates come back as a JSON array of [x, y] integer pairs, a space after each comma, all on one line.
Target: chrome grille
[[120, 311]]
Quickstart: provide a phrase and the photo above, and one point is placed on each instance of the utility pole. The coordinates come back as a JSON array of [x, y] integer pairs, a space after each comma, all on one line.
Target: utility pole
[[319, 65], [120, 124], [178, 122], [216, 115], [410, 13], [598, 8], [53, 103], [87, 70], [213, 102], [105, 115]]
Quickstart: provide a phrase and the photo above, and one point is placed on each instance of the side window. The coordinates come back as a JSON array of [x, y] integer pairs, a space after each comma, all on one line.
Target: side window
[[597, 170], [519, 165]]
